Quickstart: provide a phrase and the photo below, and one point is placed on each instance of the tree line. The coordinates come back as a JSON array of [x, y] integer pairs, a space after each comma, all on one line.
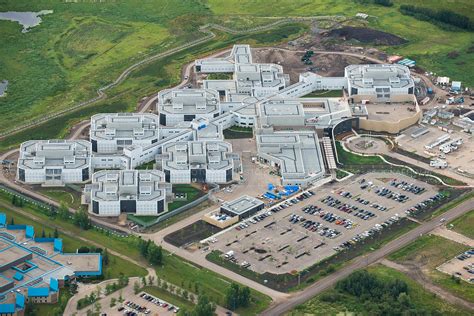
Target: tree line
[[444, 16], [150, 251]]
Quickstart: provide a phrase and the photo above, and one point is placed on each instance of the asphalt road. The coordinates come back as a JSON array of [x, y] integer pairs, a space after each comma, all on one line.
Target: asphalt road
[[300, 297]]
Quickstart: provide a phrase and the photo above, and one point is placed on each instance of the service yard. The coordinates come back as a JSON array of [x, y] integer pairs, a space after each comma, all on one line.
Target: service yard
[[307, 228], [461, 158]]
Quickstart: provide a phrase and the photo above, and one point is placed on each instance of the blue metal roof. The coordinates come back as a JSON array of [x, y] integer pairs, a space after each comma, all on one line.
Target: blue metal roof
[[7, 308], [18, 276], [38, 292]]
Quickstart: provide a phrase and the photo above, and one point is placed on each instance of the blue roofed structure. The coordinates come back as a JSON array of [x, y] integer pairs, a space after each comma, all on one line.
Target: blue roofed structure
[[34, 269], [6, 309], [38, 292]]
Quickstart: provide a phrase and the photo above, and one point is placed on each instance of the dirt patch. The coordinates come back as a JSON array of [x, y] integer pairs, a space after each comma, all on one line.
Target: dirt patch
[[192, 233], [366, 35], [328, 65]]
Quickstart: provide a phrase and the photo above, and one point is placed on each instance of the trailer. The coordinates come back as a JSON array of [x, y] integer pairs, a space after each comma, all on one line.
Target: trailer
[[438, 141], [451, 146], [438, 163], [424, 101]]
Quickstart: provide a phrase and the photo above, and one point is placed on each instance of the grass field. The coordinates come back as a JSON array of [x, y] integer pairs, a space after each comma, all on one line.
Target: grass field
[[67, 196], [429, 252], [324, 94], [464, 224], [82, 46], [351, 305]]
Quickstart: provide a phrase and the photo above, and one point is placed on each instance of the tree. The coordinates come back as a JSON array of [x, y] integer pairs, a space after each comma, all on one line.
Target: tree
[[136, 287], [155, 254], [97, 307], [151, 279], [120, 298], [63, 211], [81, 219], [232, 296], [143, 281], [43, 234], [105, 257], [244, 297], [204, 307], [113, 301], [12, 221]]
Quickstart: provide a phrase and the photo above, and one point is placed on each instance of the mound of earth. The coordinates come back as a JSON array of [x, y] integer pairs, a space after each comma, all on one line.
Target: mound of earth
[[366, 35]]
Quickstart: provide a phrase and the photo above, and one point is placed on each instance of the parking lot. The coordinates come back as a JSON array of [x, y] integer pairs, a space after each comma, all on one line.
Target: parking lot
[[309, 227], [462, 266], [146, 304]]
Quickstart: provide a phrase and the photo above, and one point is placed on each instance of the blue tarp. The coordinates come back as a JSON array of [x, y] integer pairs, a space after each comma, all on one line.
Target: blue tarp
[[38, 292]]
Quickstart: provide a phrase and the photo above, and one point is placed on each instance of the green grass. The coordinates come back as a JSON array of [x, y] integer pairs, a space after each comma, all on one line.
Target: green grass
[[453, 203], [220, 76], [236, 132], [179, 271], [431, 251], [167, 296], [69, 197], [464, 224], [344, 302], [348, 158], [341, 174], [324, 94]]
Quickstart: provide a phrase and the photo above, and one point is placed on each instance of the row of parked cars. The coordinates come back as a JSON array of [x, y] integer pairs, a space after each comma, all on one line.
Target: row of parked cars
[[329, 217], [405, 186], [389, 194], [134, 309], [374, 205], [260, 217], [160, 303], [359, 237], [347, 208], [422, 206], [314, 226]]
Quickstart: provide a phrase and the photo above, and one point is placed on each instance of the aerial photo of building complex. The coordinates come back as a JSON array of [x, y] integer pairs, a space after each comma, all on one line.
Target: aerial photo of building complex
[[282, 163]]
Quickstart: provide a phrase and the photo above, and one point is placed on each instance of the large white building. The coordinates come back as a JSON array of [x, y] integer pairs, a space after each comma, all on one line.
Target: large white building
[[184, 105], [209, 161], [112, 132], [297, 156], [381, 81], [54, 162], [139, 192]]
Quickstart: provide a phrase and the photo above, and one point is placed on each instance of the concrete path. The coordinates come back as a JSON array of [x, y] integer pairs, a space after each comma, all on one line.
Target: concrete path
[[454, 236]]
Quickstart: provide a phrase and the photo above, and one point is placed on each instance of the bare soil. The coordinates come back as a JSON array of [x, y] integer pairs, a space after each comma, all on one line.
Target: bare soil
[[366, 35]]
